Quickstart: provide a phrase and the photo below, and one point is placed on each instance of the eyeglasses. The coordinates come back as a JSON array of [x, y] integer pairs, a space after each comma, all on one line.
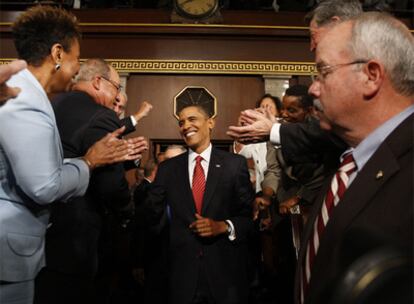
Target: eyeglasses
[[117, 86], [324, 70]]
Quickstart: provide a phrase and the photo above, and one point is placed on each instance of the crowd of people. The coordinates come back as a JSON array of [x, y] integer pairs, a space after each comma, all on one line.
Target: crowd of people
[[331, 178]]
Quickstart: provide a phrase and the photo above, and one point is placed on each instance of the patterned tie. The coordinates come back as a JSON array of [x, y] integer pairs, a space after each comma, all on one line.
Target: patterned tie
[[335, 193], [199, 184]]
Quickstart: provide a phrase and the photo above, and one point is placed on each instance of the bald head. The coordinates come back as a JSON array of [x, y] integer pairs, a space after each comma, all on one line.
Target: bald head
[[100, 80]]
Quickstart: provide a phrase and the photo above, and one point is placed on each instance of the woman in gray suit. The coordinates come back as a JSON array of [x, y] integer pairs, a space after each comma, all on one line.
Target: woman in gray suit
[[33, 172]]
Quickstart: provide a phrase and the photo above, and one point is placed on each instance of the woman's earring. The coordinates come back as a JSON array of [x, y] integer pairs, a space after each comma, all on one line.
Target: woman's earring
[[57, 67]]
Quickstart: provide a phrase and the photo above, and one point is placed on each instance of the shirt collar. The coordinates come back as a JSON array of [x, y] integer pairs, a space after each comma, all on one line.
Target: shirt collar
[[363, 152], [206, 154]]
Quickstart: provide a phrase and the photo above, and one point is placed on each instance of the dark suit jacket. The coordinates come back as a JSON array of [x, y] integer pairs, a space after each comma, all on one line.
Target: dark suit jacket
[[228, 195], [71, 241], [129, 127], [306, 142], [379, 202]]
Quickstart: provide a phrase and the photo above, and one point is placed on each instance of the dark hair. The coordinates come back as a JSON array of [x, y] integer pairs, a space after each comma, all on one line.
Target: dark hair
[[276, 101], [39, 28], [301, 91], [198, 106]]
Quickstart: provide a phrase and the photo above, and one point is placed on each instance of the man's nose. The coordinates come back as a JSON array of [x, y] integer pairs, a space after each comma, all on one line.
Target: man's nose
[[314, 89]]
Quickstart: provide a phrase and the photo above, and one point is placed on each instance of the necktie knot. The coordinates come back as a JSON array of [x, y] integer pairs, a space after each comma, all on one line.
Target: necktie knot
[[348, 164], [198, 159]]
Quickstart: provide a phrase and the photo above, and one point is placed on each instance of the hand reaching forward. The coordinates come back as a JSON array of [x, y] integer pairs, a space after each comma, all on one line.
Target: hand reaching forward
[[206, 227], [256, 127], [6, 71], [110, 149], [143, 110]]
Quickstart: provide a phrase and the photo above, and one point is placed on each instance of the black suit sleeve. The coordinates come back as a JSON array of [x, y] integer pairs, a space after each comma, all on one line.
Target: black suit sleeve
[[307, 142], [242, 202], [129, 127], [108, 183], [154, 203]]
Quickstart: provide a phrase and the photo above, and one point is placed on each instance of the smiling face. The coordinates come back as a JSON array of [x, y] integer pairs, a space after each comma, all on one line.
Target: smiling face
[[108, 92], [293, 110], [195, 128]]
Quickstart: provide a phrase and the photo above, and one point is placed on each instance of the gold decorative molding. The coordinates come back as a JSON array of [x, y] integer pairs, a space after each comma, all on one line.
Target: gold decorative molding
[[213, 67], [208, 67]]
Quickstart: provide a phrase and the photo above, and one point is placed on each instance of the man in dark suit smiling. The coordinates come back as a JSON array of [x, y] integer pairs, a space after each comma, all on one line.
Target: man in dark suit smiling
[[209, 195]]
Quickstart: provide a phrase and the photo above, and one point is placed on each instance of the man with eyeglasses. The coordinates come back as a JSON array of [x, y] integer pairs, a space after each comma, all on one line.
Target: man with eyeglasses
[[374, 115], [83, 116]]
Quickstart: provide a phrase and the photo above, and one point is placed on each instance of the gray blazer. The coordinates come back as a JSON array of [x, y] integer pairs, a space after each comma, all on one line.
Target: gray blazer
[[33, 174]]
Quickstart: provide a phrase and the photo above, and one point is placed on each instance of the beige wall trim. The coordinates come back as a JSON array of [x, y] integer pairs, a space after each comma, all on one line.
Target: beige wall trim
[[212, 67], [208, 67]]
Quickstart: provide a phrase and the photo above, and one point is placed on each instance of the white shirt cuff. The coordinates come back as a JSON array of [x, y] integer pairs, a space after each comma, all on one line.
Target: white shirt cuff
[[275, 134], [133, 120], [232, 234]]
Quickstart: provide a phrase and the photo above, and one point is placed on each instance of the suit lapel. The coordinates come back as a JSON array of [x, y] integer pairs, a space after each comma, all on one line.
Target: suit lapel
[[185, 187], [214, 172]]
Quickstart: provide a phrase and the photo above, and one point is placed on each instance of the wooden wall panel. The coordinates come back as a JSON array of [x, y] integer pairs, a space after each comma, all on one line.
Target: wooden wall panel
[[234, 93]]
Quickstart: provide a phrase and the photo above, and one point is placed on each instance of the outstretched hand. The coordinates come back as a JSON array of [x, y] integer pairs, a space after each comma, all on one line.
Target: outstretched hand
[[256, 127], [6, 71], [206, 227], [143, 111], [110, 149]]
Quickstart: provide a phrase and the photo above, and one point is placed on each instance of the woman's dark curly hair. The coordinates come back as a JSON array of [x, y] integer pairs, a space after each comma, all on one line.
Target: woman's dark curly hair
[[39, 28]]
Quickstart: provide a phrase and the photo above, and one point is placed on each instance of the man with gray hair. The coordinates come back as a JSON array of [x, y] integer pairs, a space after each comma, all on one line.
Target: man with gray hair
[[374, 55], [372, 189], [174, 150], [83, 116]]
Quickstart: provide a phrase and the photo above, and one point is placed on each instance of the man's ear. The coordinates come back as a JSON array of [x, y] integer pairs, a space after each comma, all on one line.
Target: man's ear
[[97, 82], [374, 76], [211, 123]]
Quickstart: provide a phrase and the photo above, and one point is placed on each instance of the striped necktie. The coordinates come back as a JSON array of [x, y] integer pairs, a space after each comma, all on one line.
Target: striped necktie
[[334, 194], [199, 184]]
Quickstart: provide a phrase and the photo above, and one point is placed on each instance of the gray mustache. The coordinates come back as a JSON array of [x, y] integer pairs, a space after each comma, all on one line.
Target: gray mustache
[[317, 104]]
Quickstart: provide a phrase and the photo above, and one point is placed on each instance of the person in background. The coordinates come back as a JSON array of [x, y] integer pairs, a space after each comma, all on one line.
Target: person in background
[[258, 151], [33, 173], [173, 151], [130, 122], [327, 14]]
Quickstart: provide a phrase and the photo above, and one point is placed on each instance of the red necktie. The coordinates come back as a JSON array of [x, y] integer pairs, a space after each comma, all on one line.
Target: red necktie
[[335, 193], [199, 184]]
